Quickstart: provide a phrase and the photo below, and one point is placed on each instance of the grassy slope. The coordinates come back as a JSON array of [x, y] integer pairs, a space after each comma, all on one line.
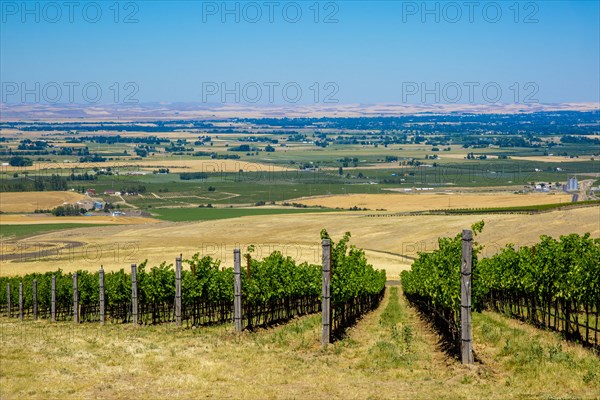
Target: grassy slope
[[389, 354], [205, 214]]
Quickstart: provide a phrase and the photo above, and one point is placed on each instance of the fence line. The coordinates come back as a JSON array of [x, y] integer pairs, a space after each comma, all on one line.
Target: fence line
[[101, 294], [466, 337], [326, 293]]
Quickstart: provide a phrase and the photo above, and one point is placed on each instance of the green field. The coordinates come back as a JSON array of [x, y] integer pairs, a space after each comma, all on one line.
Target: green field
[[205, 214], [20, 231]]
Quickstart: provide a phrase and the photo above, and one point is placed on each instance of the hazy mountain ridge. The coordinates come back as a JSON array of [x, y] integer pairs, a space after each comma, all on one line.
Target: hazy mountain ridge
[[177, 111]]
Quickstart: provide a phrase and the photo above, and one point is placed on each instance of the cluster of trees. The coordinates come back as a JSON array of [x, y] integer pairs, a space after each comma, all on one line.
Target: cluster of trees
[[216, 156], [471, 156], [144, 150], [242, 148], [580, 140], [186, 176], [113, 139], [68, 210], [203, 140], [178, 146], [30, 145], [258, 139], [73, 151], [19, 161], [83, 177], [93, 158], [34, 184], [134, 189], [347, 161]]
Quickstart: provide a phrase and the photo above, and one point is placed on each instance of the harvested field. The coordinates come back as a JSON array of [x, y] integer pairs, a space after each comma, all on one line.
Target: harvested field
[[422, 202], [389, 241], [552, 158], [31, 201], [30, 219]]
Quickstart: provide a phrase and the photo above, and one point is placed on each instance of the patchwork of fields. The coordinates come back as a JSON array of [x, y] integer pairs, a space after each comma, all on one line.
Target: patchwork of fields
[[181, 192]]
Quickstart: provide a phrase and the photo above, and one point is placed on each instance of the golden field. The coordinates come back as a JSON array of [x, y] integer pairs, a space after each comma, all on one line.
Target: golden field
[[33, 219], [31, 201], [386, 239], [402, 202], [175, 165]]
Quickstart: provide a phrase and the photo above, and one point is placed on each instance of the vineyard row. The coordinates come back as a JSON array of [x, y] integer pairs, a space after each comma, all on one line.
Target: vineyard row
[[553, 284], [259, 293]]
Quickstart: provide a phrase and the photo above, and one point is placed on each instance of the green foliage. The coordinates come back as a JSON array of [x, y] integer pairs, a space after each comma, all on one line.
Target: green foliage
[[266, 281], [205, 281], [18, 161], [564, 269], [351, 274], [157, 285], [67, 210], [436, 275], [117, 287], [278, 277]]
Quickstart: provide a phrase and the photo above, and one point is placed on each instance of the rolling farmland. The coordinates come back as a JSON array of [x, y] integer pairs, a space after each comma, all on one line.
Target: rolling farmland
[[273, 206]]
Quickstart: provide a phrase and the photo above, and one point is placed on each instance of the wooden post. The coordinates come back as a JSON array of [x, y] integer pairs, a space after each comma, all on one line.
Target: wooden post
[[8, 299], [237, 290], [75, 299], [326, 294], [178, 290], [35, 301], [466, 345], [102, 310], [53, 300], [134, 295], [21, 301]]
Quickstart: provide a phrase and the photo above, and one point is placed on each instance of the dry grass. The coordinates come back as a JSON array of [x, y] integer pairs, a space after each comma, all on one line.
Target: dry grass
[[422, 202], [553, 159], [387, 355], [34, 219], [386, 239], [31, 201]]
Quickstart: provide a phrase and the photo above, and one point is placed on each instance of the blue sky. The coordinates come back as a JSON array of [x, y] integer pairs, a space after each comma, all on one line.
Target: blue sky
[[376, 52]]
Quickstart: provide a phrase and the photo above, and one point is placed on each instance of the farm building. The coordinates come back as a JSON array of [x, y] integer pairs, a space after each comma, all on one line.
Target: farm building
[[86, 204]]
